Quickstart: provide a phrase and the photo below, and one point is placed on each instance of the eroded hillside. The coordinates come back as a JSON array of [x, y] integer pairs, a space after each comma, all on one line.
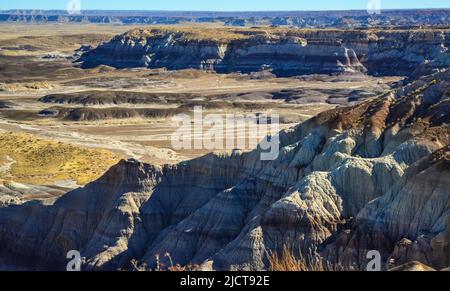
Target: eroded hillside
[[285, 52], [373, 176]]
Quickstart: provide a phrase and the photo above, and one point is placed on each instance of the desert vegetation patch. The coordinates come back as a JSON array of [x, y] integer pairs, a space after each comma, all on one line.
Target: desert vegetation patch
[[44, 162]]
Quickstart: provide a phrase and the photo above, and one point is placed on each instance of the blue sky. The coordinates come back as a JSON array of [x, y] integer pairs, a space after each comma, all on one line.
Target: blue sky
[[222, 5]]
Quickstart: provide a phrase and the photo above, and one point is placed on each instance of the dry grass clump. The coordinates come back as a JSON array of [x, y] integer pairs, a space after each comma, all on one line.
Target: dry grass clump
[[287, 262], [43, 162], [143, 267], [13, 87], [37, 44]]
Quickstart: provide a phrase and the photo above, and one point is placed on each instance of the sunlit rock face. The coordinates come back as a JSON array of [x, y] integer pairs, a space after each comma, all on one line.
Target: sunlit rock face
[[285, 52]]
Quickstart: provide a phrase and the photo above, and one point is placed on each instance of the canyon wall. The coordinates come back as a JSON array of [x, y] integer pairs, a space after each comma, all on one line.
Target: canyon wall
[[286, 52]]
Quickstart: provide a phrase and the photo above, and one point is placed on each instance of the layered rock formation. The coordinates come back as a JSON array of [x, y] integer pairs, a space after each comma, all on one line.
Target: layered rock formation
[[86, 98], [95, 114], [413, 215], [12, 193], [374, 176], [310, 19], [299, 95], [286, 52]]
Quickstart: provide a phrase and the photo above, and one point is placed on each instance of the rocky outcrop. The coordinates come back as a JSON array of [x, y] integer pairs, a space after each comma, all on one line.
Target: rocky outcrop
[[96, 114], [173, 50], [410, 222], [286, 52], [111, 206], [373, 176], [341, 96], [114, 97]]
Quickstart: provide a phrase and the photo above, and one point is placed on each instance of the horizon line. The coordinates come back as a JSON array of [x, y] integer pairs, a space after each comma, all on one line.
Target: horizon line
[[226, 11]]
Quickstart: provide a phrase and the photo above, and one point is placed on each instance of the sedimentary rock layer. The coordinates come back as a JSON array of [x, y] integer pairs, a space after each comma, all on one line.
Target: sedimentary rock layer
[[286, 52], [95, 114], [114, 97], [373, 176]]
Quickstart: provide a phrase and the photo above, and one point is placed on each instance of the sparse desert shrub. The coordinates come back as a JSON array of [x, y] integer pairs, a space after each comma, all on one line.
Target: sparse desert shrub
[[136, 266], [288, 262]]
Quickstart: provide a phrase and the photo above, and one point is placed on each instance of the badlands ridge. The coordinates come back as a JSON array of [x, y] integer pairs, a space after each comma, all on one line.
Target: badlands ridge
[[373, 176]]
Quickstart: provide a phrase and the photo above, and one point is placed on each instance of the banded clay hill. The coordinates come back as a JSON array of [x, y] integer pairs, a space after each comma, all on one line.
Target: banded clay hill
[[371, 176]]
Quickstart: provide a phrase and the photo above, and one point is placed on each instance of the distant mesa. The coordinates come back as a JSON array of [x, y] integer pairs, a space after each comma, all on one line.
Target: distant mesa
[[280, 51], [301, 19]]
